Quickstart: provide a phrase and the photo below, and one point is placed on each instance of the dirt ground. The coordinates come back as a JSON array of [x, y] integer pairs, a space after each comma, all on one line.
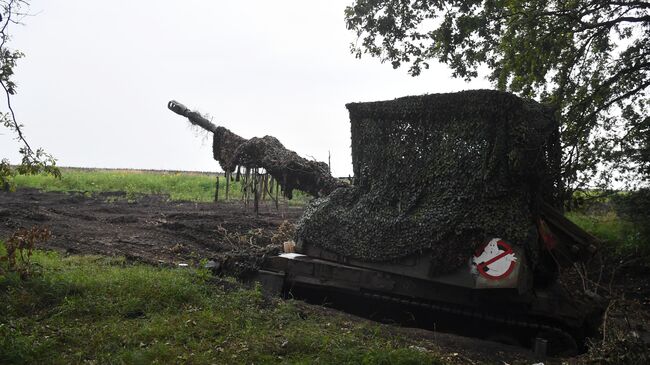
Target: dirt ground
[[154, 230], [150, 229]]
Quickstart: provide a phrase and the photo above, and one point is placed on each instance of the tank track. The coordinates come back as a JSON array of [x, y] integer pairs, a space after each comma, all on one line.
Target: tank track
[[560, 341], [510, 316]]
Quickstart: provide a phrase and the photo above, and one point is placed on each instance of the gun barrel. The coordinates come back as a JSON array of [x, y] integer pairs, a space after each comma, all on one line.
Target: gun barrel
[[289, 169], [194, 117], [177, 107]]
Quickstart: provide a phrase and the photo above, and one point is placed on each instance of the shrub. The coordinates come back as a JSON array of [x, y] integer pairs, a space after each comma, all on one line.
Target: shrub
[[20, 247]]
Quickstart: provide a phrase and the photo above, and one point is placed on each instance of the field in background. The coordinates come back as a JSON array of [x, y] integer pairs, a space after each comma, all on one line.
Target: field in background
[[616, 233], [189, 186], [101, 310]]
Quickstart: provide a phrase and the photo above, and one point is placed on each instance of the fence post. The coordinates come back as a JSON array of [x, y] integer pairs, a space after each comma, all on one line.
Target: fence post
[[216, 191], [228, 185]]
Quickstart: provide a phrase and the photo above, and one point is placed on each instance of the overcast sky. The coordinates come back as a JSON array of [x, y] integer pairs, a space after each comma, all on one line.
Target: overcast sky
[[97, 76]]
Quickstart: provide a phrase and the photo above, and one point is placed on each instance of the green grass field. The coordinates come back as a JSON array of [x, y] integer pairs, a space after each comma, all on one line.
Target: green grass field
[[615, 233], [99, 310], [612, 230], [178, 186]]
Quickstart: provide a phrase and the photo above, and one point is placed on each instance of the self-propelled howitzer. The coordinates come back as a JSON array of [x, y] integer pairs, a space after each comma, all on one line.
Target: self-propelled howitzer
[[453, 216]]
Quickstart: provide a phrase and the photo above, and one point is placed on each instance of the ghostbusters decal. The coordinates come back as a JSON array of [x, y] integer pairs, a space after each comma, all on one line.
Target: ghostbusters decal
[[494, 261]]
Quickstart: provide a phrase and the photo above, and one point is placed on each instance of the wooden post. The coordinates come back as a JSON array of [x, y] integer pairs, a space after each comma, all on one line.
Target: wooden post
[[216, 191], [245, 186], [277, 191], [227, 185], [329, 162], [284, 196], [265, 180], [285, 206], [242, 186], [256, 202]]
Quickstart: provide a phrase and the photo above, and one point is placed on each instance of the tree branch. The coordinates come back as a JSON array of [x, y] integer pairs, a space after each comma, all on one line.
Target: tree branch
[[9, 10], [623, 19], [16, 126]]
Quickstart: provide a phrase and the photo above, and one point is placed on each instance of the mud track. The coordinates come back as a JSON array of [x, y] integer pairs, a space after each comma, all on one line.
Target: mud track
[[150, 229]]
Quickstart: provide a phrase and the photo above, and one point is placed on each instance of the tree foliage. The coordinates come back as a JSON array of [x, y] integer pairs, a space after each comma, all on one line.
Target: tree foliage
[[588, 58], [33, 161]]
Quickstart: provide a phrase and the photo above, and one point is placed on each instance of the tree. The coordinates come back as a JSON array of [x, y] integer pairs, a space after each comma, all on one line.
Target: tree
[[590, 59], [33, 161]]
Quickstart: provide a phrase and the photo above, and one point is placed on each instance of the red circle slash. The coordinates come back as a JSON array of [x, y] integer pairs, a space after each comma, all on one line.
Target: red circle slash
[[507, 250]]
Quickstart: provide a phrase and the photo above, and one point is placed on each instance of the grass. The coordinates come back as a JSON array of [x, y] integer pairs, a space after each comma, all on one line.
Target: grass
[[178, 186], [615, 232], [99, 310]]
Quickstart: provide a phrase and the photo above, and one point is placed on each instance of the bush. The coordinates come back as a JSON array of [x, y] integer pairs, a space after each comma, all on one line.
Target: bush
[[19, 249]]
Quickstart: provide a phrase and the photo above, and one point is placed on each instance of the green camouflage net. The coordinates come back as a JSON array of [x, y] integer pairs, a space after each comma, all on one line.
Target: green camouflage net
[[440, 173]]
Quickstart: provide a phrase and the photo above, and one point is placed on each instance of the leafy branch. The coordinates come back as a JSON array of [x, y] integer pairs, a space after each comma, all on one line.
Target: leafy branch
[[33, 161], [590, 59]]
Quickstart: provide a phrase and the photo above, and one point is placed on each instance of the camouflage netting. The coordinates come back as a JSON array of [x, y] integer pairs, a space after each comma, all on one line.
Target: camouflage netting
[[290, 170], [286, 167], [224, 145], [439, 173]]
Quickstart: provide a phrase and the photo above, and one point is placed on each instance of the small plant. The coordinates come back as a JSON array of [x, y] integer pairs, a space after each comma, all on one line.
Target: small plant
[[20, 247], [284, 233], [131, 193], [202, 272]]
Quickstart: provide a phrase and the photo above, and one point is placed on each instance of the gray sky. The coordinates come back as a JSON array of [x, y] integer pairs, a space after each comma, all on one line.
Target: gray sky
[[97, 75]]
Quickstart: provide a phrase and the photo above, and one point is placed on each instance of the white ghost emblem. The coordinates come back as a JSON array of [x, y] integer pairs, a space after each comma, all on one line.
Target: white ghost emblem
[[496, 268]]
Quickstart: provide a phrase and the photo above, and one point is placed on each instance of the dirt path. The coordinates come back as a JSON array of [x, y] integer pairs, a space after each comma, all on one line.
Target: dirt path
[[151, 229]]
